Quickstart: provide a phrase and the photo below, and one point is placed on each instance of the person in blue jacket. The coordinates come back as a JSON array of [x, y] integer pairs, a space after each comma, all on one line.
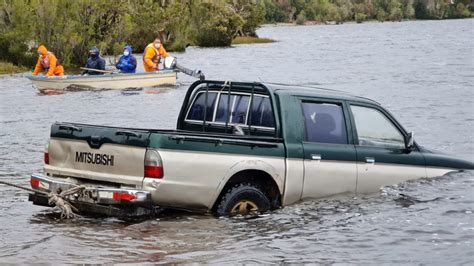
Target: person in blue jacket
[[127, 62]]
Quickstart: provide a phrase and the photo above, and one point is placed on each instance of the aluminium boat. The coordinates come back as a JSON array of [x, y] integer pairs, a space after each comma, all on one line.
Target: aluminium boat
[[106, 81]]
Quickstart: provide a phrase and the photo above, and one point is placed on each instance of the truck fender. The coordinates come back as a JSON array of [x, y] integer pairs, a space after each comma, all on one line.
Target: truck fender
[[245, 165]]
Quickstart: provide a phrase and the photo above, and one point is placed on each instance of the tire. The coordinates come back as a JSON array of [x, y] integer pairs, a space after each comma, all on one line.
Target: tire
[[243, 199]]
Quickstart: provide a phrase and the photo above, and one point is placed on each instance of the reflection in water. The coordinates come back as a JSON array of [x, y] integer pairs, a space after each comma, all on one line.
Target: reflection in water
[[422, 71]]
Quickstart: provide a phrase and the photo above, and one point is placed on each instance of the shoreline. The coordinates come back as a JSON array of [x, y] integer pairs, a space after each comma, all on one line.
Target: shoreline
[[329, 23]]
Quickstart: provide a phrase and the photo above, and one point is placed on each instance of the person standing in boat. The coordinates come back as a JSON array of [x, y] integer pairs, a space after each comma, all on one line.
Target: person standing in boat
[[152, 55], [95, 61], [48, 62], [127, 62]]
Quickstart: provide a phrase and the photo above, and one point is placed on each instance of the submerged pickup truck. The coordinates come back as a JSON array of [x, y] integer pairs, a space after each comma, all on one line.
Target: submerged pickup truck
[[238, 148]]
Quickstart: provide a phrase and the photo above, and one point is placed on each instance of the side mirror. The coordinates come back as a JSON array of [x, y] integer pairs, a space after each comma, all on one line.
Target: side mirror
[[410, 141]]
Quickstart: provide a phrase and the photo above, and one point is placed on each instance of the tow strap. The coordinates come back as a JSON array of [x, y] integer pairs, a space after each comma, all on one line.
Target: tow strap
[[58, 200]]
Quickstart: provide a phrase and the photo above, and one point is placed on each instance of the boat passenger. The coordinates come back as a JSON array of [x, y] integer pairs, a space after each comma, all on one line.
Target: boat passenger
[[95, 61], [48, 62], [127, 62], [152, 55]]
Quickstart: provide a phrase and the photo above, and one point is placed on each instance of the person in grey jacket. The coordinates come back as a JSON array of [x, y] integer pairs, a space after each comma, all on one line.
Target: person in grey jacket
[[95, 61]]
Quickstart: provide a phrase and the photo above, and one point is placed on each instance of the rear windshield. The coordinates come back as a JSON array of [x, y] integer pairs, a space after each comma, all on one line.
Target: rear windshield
[[234, 109]]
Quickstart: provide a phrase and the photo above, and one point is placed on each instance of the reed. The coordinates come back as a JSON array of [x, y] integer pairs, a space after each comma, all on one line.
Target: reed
[[9, 68], [249, 40]]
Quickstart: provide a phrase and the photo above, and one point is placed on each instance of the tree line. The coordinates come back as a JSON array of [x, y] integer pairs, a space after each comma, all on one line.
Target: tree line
[[338, 11], [70, 27]]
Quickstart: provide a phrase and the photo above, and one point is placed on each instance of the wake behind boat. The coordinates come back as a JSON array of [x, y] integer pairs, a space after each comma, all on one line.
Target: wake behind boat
[[106, 81]]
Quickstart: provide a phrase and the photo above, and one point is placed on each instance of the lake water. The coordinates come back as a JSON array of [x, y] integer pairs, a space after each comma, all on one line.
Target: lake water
[[422, 71]]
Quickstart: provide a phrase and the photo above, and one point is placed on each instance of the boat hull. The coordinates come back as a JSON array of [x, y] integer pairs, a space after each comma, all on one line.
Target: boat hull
[[106, 81]]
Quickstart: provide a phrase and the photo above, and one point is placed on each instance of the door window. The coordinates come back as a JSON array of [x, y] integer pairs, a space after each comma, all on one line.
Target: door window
[[375, 129], [324, 123]]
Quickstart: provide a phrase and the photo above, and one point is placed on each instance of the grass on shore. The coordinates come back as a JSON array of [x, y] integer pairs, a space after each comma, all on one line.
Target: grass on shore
[[248, 40], [9, 68]]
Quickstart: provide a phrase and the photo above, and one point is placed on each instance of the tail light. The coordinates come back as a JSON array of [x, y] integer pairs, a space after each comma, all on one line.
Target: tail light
[[34, 182], [123, 196], [46, 154], [153, 164]]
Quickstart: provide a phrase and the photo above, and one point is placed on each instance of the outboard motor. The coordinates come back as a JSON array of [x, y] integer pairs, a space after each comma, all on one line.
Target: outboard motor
[[171, 63]]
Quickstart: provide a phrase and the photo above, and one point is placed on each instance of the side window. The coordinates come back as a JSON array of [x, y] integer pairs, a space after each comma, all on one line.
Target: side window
[[223, 108], [262, 114], [196, 112], [375, 129], [324, 123], [241, 105]]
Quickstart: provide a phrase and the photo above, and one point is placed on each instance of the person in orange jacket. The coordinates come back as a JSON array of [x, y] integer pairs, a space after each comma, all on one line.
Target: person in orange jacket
[[48, 62], [151, 57]]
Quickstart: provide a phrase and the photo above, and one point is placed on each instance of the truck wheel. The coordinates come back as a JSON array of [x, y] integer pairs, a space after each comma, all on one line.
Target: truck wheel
[[243, 199]]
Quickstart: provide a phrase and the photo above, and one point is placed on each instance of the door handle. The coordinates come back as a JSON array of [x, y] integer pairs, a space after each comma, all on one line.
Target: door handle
[[316, 157], [369, 160]]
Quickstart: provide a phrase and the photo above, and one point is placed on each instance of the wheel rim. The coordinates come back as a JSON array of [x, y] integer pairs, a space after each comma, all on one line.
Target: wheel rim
[[244, 207]]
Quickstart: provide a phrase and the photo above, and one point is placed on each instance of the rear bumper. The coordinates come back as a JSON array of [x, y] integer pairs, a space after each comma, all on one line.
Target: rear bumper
[[95, 200]]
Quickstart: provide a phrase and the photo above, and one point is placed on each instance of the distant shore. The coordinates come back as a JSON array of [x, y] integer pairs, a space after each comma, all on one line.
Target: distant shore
[[311, 23]]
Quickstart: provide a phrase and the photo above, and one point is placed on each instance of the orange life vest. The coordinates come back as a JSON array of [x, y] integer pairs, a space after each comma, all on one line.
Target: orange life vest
[[156, 58]]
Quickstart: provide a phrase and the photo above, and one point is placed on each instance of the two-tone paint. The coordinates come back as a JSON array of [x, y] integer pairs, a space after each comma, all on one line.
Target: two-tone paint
[[200, 159]]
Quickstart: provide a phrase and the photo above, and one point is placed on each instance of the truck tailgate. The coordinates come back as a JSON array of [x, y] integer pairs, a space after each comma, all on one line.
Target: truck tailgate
[[105, 154]]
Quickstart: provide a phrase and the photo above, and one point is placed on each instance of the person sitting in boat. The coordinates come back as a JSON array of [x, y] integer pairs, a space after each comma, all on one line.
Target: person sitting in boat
[[48, 62], [127, 62], [95, 61], [152, 55]]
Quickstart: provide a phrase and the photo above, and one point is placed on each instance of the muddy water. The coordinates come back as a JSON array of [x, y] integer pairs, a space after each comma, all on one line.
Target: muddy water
[[422, 71]]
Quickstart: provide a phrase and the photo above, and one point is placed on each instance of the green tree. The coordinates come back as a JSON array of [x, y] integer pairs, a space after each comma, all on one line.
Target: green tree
[[252, 14], [214, 24], [273, 12], [301, 18], [360, 17], [381, 15], [334, 14], [395, 11], [15, 32], [440, 8], [421, 12], [459, 10], [317, 9]]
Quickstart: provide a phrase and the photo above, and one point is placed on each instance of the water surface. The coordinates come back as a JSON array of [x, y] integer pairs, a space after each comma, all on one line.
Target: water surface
[[421, 71]]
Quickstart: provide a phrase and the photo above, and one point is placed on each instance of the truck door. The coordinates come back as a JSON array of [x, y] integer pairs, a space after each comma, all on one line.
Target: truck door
[[382, 158], [329, 155]]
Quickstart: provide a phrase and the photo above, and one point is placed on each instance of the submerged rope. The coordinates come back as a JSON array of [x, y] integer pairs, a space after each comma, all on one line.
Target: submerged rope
[[58, 200], [24, 188]]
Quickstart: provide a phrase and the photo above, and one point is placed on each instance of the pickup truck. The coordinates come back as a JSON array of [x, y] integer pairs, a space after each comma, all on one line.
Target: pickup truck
[[239, 148]]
